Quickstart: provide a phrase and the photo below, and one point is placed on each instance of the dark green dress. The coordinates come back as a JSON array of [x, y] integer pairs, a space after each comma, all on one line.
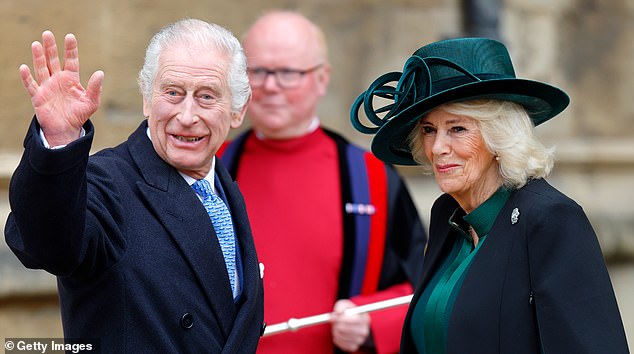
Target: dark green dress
[[431, 314]]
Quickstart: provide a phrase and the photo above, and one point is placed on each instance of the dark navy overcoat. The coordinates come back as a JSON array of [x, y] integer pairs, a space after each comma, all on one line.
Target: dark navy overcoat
[[539, 279], [138, 264]]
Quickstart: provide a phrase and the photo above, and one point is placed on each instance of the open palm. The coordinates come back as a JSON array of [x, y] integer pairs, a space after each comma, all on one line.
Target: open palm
[[62, 105]]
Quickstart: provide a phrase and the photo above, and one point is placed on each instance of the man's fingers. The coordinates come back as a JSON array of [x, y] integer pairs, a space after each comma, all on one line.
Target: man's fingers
[[27, 80], [46, 61], [93, 89], [50, 49], [71, 53], [349, 331], [348, 343], [40, 68]]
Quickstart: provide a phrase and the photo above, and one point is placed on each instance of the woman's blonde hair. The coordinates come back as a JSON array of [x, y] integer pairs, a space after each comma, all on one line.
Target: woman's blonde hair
[[508, 132]]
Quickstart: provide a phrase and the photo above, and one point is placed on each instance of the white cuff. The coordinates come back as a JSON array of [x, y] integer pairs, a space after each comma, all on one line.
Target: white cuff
[[82, 133]]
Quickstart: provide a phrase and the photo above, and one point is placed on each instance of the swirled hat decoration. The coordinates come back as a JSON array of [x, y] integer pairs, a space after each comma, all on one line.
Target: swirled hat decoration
[[446, 71]]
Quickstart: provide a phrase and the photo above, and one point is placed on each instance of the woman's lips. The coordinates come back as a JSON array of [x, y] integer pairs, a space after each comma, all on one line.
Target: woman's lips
[[442, 168]]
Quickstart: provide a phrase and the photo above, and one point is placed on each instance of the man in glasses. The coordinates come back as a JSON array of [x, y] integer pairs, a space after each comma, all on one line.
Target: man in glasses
[[333, 226]]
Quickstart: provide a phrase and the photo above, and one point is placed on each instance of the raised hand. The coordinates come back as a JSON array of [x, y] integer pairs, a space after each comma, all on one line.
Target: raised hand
[[62, 105]]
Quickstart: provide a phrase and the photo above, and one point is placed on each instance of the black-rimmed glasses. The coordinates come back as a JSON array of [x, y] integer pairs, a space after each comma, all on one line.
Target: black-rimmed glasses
[[285, 78]]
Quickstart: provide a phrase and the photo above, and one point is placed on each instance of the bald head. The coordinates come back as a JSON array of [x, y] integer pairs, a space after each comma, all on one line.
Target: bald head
[[286, 42], [286, 32]]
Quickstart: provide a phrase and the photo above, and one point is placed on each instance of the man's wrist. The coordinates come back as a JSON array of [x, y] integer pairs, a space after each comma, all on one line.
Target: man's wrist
[[47, 145]]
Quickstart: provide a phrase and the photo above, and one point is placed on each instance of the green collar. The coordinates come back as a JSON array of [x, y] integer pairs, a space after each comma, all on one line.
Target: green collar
[[483, 217]]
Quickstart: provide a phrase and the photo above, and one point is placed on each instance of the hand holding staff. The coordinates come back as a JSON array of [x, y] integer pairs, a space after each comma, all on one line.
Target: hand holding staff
[[293, 324]]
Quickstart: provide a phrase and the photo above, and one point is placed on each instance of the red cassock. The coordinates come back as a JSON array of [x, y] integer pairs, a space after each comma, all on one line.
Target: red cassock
[[298, 194]]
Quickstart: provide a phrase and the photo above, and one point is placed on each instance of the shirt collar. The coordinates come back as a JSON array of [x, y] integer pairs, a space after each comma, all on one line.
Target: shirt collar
[[483, 217], [314, 124], [210, 176]]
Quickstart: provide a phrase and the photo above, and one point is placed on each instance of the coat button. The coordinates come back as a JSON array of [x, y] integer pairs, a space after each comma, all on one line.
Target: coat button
[[262, 329], [187, 320]]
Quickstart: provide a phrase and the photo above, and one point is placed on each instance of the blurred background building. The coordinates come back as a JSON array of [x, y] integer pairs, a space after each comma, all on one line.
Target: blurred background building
[[583, 46]]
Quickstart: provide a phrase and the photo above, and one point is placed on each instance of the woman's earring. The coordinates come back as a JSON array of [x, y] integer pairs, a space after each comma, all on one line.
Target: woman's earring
[[497, 157]]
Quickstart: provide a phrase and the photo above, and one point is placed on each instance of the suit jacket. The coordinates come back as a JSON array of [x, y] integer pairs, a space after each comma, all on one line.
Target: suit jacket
[[138, 264], [539, 279]]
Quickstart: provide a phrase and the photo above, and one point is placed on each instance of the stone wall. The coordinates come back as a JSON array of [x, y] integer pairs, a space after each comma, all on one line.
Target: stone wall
[[582, 46]]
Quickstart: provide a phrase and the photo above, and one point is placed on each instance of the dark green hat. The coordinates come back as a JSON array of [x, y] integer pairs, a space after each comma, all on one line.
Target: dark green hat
[[447, 71]]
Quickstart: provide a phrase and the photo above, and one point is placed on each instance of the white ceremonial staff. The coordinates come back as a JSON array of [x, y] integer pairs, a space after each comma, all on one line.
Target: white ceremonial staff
[[293, 324]]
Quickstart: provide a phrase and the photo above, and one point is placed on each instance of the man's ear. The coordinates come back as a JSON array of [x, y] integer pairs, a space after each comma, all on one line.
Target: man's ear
[[323, 78], [146, 108], [237, 117]]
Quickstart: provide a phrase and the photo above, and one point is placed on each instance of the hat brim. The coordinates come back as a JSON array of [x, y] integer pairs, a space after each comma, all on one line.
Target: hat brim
[[542, 101]]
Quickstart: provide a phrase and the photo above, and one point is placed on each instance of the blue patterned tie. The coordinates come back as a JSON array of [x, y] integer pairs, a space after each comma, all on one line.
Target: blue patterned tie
[[221, 219]]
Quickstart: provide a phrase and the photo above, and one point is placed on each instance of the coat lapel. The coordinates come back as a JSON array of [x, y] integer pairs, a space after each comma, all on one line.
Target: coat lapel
[[186, 221], [252, 285], [482, 290], [495, 252], [440, 229], [438, 233]]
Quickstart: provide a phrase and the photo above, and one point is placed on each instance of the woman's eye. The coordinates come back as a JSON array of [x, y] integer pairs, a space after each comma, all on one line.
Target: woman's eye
[[458, 129], [428, 130]]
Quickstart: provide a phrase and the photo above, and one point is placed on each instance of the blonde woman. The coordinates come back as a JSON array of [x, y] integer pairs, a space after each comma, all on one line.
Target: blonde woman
[[512, 264]]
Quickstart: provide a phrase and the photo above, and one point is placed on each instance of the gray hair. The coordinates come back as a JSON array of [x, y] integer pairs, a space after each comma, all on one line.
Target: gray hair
[[201, 33], [507, 131]]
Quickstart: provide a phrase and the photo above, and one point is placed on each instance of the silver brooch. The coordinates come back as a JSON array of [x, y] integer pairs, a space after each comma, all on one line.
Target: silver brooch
[[515, 215]]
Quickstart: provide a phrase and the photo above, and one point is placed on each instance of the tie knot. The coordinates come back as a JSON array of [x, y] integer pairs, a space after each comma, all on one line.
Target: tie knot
[[203, 188]]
